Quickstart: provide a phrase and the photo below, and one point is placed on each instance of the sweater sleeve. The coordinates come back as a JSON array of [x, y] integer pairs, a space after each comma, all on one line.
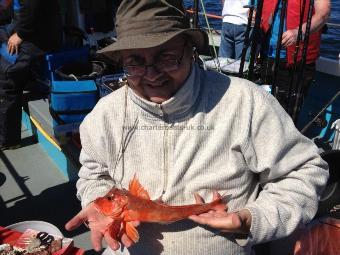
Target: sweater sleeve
[[94, 179], [291, 173]]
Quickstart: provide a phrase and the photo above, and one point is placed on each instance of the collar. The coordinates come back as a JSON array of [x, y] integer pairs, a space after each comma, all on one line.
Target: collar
[[176, 106]]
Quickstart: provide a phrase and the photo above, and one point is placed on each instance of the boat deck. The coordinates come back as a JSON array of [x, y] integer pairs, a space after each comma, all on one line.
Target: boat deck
[[32, 187]]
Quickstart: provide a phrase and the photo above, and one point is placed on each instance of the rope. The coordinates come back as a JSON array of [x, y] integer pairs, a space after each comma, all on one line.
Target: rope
[[212, 39]]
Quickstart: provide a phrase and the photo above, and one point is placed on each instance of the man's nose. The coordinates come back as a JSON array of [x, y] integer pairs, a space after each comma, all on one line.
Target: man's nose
[[151, 72]]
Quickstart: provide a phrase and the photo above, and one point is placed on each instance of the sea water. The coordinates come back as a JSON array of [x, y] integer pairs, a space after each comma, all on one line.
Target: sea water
[[330, 46]]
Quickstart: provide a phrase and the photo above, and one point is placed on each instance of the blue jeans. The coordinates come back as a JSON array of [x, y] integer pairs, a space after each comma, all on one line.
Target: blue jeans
[[232, 39]]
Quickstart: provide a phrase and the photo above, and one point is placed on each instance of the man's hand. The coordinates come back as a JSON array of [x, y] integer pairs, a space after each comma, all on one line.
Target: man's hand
[[233, 222], [98, 224], [289, 37], [319, 18], [13, 44]]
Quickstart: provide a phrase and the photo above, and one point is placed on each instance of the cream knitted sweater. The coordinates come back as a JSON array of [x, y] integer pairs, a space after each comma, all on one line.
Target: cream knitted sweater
[[216, 133]]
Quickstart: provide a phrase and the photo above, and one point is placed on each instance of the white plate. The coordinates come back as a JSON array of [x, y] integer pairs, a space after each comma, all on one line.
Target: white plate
[[36, 225]]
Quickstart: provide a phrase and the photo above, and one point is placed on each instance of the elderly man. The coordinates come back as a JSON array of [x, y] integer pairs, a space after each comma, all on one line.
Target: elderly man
[[270, 24], [182, 130]]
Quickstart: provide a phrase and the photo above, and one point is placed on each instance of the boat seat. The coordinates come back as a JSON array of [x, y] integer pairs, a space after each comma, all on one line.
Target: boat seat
[[60, 139]]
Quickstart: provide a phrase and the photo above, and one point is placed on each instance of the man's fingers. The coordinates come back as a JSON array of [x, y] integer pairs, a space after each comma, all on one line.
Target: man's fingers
[[200, 219], [135, 223], [9, 48], [127, 242], [76, 221], [198, 198], [114, 244], [206, 215], [96, 240], [12, 50], [284, 41], [289, 38], [229, 223]]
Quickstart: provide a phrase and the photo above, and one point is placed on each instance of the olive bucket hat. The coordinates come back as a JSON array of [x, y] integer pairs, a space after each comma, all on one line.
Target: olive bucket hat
[[149, 23]]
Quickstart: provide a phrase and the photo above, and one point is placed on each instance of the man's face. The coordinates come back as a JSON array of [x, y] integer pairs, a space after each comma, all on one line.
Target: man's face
[[167, 68]]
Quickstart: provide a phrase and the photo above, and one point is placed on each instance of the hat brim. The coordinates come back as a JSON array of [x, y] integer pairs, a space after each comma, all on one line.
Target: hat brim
[[199, 38]]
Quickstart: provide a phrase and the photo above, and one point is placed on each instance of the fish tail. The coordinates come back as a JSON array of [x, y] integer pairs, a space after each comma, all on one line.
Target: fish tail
[[225, 198], [221, 202]]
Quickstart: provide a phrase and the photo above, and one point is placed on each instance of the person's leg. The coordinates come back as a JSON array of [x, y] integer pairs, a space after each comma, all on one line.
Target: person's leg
[[240, 31], [283, 83], [226, 49], [304, 83], [286, 92], [308, 77], [13, 78], [10, 113], [282, 79]]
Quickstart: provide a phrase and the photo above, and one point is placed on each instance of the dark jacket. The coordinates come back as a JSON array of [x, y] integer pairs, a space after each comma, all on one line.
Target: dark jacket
[[5, 12], [39, 22]]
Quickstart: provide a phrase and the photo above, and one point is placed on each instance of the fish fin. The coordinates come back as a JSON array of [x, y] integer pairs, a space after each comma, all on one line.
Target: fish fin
[[225, 198], [117, 211], [131, 232], [130, 215], [136, 189], [114, 229]]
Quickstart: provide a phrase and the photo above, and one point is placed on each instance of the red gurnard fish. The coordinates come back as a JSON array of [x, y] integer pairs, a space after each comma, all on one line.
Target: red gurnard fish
[[135, 205]]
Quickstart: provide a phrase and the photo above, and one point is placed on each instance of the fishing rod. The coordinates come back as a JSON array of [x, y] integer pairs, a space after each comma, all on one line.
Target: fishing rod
[[247, 40], [196, 5], [256, 38], [299, 96], [309, 124], [292, 87], [278, 47]]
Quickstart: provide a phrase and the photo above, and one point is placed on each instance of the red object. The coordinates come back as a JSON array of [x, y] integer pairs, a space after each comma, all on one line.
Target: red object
[[320, 237], [8, 236], [11, 236], [292, 22]]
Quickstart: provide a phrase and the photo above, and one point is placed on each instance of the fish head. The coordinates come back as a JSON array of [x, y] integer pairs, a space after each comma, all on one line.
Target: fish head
[[113, 203]]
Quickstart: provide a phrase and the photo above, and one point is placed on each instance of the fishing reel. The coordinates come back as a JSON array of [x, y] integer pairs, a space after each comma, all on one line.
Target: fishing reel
[[321, 121], [330, 198]]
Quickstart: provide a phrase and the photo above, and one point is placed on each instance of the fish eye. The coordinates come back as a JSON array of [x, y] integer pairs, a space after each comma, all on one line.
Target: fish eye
[[109, 198]]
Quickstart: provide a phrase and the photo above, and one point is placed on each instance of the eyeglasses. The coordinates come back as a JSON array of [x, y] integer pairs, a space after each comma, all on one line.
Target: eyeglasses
[[160, 65]]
